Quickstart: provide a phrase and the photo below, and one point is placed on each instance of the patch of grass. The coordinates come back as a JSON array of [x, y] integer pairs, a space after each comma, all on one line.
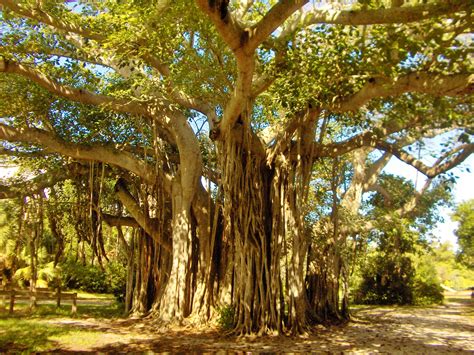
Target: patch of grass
[[18, 335], [32, 335], [110, 309], [30, 331], [88, 295]]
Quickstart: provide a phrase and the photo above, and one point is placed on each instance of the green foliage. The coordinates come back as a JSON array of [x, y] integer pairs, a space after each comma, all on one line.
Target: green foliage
[[426, 284], [226, 318], [116, 279], [395, 272], [387, 280], [92, 278], [464, 214], [426, 293], [450, 271], [399, 279]]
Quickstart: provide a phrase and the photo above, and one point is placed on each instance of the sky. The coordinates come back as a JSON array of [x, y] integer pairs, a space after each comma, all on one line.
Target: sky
[[463, 191]]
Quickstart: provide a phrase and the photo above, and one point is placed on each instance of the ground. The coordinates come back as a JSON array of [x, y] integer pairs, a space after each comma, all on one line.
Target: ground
[[447, 328]]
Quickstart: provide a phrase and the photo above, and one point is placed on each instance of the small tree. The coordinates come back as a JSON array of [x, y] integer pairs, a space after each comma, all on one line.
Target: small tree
[[464, 214]]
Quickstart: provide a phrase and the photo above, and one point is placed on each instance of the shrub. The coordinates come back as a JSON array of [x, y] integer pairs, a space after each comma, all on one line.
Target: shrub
[[226, 317], [92, 278]]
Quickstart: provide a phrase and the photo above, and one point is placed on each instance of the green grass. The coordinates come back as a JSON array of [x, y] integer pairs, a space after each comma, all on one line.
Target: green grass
[[26, 331], [29, 335], [114, 310]]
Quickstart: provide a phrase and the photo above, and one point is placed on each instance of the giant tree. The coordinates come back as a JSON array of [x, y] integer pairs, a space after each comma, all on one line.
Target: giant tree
[[281, 86]]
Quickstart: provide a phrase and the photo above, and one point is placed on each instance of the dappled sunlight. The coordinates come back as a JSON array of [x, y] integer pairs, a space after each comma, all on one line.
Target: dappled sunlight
[[447, 329]]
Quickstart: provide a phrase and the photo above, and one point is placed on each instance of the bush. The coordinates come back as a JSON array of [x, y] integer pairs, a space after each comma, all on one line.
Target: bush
[[92, 278], [427, 293], [387, 281], [226, 317], [397, 279]]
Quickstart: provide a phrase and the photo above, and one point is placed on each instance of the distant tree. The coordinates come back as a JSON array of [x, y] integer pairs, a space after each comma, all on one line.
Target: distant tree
[[464, 214], [392, 273]]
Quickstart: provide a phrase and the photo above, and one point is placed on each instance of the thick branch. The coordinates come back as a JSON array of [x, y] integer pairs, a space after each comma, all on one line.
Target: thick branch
[[367, 139], [422, 82], [438, 168], [42, 181], [228, 28], [272, 20], [391, 15], [117, 221], [101, 153], [77, 95], [137, 213], [41, 16]]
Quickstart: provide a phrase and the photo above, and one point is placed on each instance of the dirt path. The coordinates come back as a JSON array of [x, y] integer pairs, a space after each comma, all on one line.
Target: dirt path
[[441, 329]]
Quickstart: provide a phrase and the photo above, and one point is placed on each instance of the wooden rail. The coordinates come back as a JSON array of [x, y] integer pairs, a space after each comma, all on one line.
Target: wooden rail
[[38, 295]]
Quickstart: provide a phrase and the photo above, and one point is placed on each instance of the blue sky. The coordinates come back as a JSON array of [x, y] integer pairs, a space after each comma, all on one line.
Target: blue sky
[[463, 191]]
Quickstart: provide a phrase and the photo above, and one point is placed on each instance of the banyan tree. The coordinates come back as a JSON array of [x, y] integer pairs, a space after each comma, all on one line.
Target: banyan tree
[[238, 137]]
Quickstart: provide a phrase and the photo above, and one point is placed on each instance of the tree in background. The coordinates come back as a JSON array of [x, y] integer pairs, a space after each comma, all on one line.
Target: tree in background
[[285, 90], [391, 273], [464, 215]]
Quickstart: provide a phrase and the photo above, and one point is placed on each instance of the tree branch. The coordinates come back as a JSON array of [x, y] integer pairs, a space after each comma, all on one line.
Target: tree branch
[[101, 153], [117, 221], [230, 31], [137, 213], [272, 20], [77, 95], [40, 182], [39, 15], [464, 151], [393, 15], [422, 82], [367, 139]]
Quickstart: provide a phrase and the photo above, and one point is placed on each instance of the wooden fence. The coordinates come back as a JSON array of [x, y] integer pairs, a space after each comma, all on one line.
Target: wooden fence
[[39, 294]]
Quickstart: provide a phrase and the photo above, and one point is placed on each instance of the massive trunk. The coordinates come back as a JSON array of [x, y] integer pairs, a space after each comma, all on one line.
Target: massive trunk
[[264, 210]]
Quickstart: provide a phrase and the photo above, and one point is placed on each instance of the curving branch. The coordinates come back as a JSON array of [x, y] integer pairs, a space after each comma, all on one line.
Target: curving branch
[[422, 82], [366, 139], [39, 15], [106, 154], [453, 158], [40, 182], [77, 95], [230, 31], [274, 18], [119, 221], [392, 15], [136, 211]]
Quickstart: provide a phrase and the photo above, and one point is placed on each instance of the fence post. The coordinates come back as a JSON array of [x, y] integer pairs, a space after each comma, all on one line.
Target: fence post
[[12, 301], [32, 300], [3, 303], [58, 297], [74, 303]]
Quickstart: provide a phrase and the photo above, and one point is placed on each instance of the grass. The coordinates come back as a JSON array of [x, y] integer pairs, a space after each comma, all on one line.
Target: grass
[[25, 331]]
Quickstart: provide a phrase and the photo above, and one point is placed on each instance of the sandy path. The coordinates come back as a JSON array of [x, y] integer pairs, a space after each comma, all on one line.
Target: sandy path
[[440, 329]]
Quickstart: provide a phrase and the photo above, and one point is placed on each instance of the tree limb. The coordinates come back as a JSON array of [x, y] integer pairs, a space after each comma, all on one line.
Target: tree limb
[[101, 153], [230, 31], [393, 15], [39, 15], [274, 18], [422, 82], [40, 182], [136, 211], [464, 151], [118, 221], [369, 138], [77, 95]]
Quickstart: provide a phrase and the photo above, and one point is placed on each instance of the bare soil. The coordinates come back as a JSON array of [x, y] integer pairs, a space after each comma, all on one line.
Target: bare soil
[[448, 328]]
